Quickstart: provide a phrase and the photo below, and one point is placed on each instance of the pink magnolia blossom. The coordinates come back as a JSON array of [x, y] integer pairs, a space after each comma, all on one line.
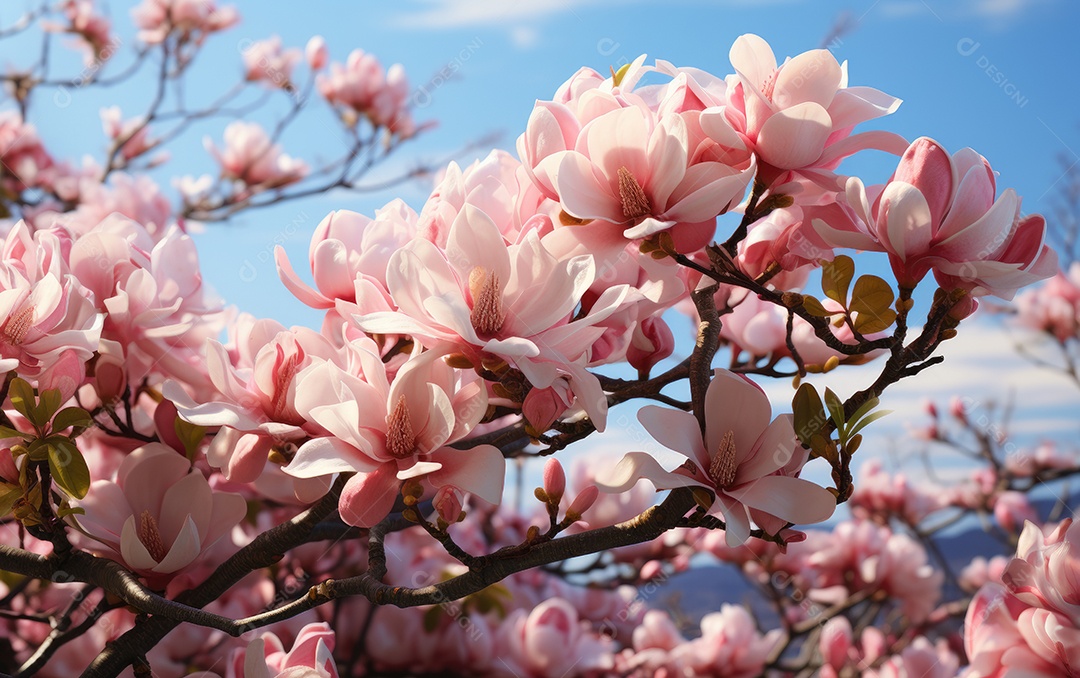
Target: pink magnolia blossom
[[499, 186], [47, 315], [92, 30], [730, 645], [981, 571], [191, 19], [859, 555], [995, 645], [253, 159], [938, 212], [159, 515], [315, 52], [152, 296], [25, 162], [389, 432], [257, 395], [266, 657], [136, 197], [919, 658], [1053, 308], [740, 460], [267, 62], [550, 642], [363, 87], [133, 134], [633, 174], [489, 299], [881, 495], [799, 115], [349, 255]]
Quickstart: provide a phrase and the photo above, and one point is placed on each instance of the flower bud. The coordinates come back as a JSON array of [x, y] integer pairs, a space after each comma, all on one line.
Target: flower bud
[[316, 53], [447, 502], [554, 480], [582, 503]]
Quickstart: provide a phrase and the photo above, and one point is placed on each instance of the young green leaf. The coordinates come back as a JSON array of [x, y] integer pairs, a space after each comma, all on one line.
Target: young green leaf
[[872, 299], [836, 278], [71, 416], [814, 307], [8, 432], [836, 409], [9, 494], [869, 419], [806, 406], [69, 469], [49, 401], [22, 398]]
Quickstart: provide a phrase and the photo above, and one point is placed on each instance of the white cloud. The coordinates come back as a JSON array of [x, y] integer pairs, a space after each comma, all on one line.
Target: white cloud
[[456, 13], [524, 37], [1002, 9]]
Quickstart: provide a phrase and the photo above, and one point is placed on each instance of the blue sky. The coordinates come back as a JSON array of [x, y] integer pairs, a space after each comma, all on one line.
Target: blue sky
[[991, 74], [997, 75]]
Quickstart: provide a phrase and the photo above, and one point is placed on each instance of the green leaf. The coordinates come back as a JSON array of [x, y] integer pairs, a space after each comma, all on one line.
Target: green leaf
[[864, 409], [72, 416], [69, 469], [8, 432], [49, 401], [191, 436], [38, 450], [836, 409], [22, 398], [70, 511], [872, 299], [869, 419], [9, 494], [836, 278], [809, 415], [814, 307], [878, 322]]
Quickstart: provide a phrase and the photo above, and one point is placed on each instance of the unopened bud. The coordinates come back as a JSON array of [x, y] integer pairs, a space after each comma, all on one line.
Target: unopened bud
[[582, 503], [554, 480]]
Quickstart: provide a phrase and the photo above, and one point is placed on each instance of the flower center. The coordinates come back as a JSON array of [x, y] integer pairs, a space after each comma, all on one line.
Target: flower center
[[150, 536], [287, 368], [487, 314], [635, 203], [18, 325], [769, 85], [722, 469], [400, 438]]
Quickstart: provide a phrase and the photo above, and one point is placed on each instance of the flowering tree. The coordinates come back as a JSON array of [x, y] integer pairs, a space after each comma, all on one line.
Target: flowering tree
[[322, 502]]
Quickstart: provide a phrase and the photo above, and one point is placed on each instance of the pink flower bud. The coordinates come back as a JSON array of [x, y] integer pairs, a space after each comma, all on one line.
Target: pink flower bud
[[931, 408], [583, 502], [554, 480], [835, 642], [652, 341], [110, 377], [957, 408], [542, 406], [447, 502], [315, 52], [64, 375]]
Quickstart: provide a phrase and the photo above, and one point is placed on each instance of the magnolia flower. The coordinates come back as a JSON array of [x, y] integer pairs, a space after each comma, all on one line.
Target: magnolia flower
[[799, 115], [392, 432], [191, 19], [938, 213], [265, 656], [160, 515], [739, 460], [250, 157], [488, 300], [265, 61], [362, 86], [550, 641], [257, 396]]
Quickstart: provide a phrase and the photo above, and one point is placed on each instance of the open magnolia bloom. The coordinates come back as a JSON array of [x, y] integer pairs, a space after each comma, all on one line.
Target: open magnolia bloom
[[160, 515], [746, 459]]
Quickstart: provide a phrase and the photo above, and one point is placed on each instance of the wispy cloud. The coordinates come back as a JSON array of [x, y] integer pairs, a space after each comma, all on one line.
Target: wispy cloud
[[457, 13], [987, 10]]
